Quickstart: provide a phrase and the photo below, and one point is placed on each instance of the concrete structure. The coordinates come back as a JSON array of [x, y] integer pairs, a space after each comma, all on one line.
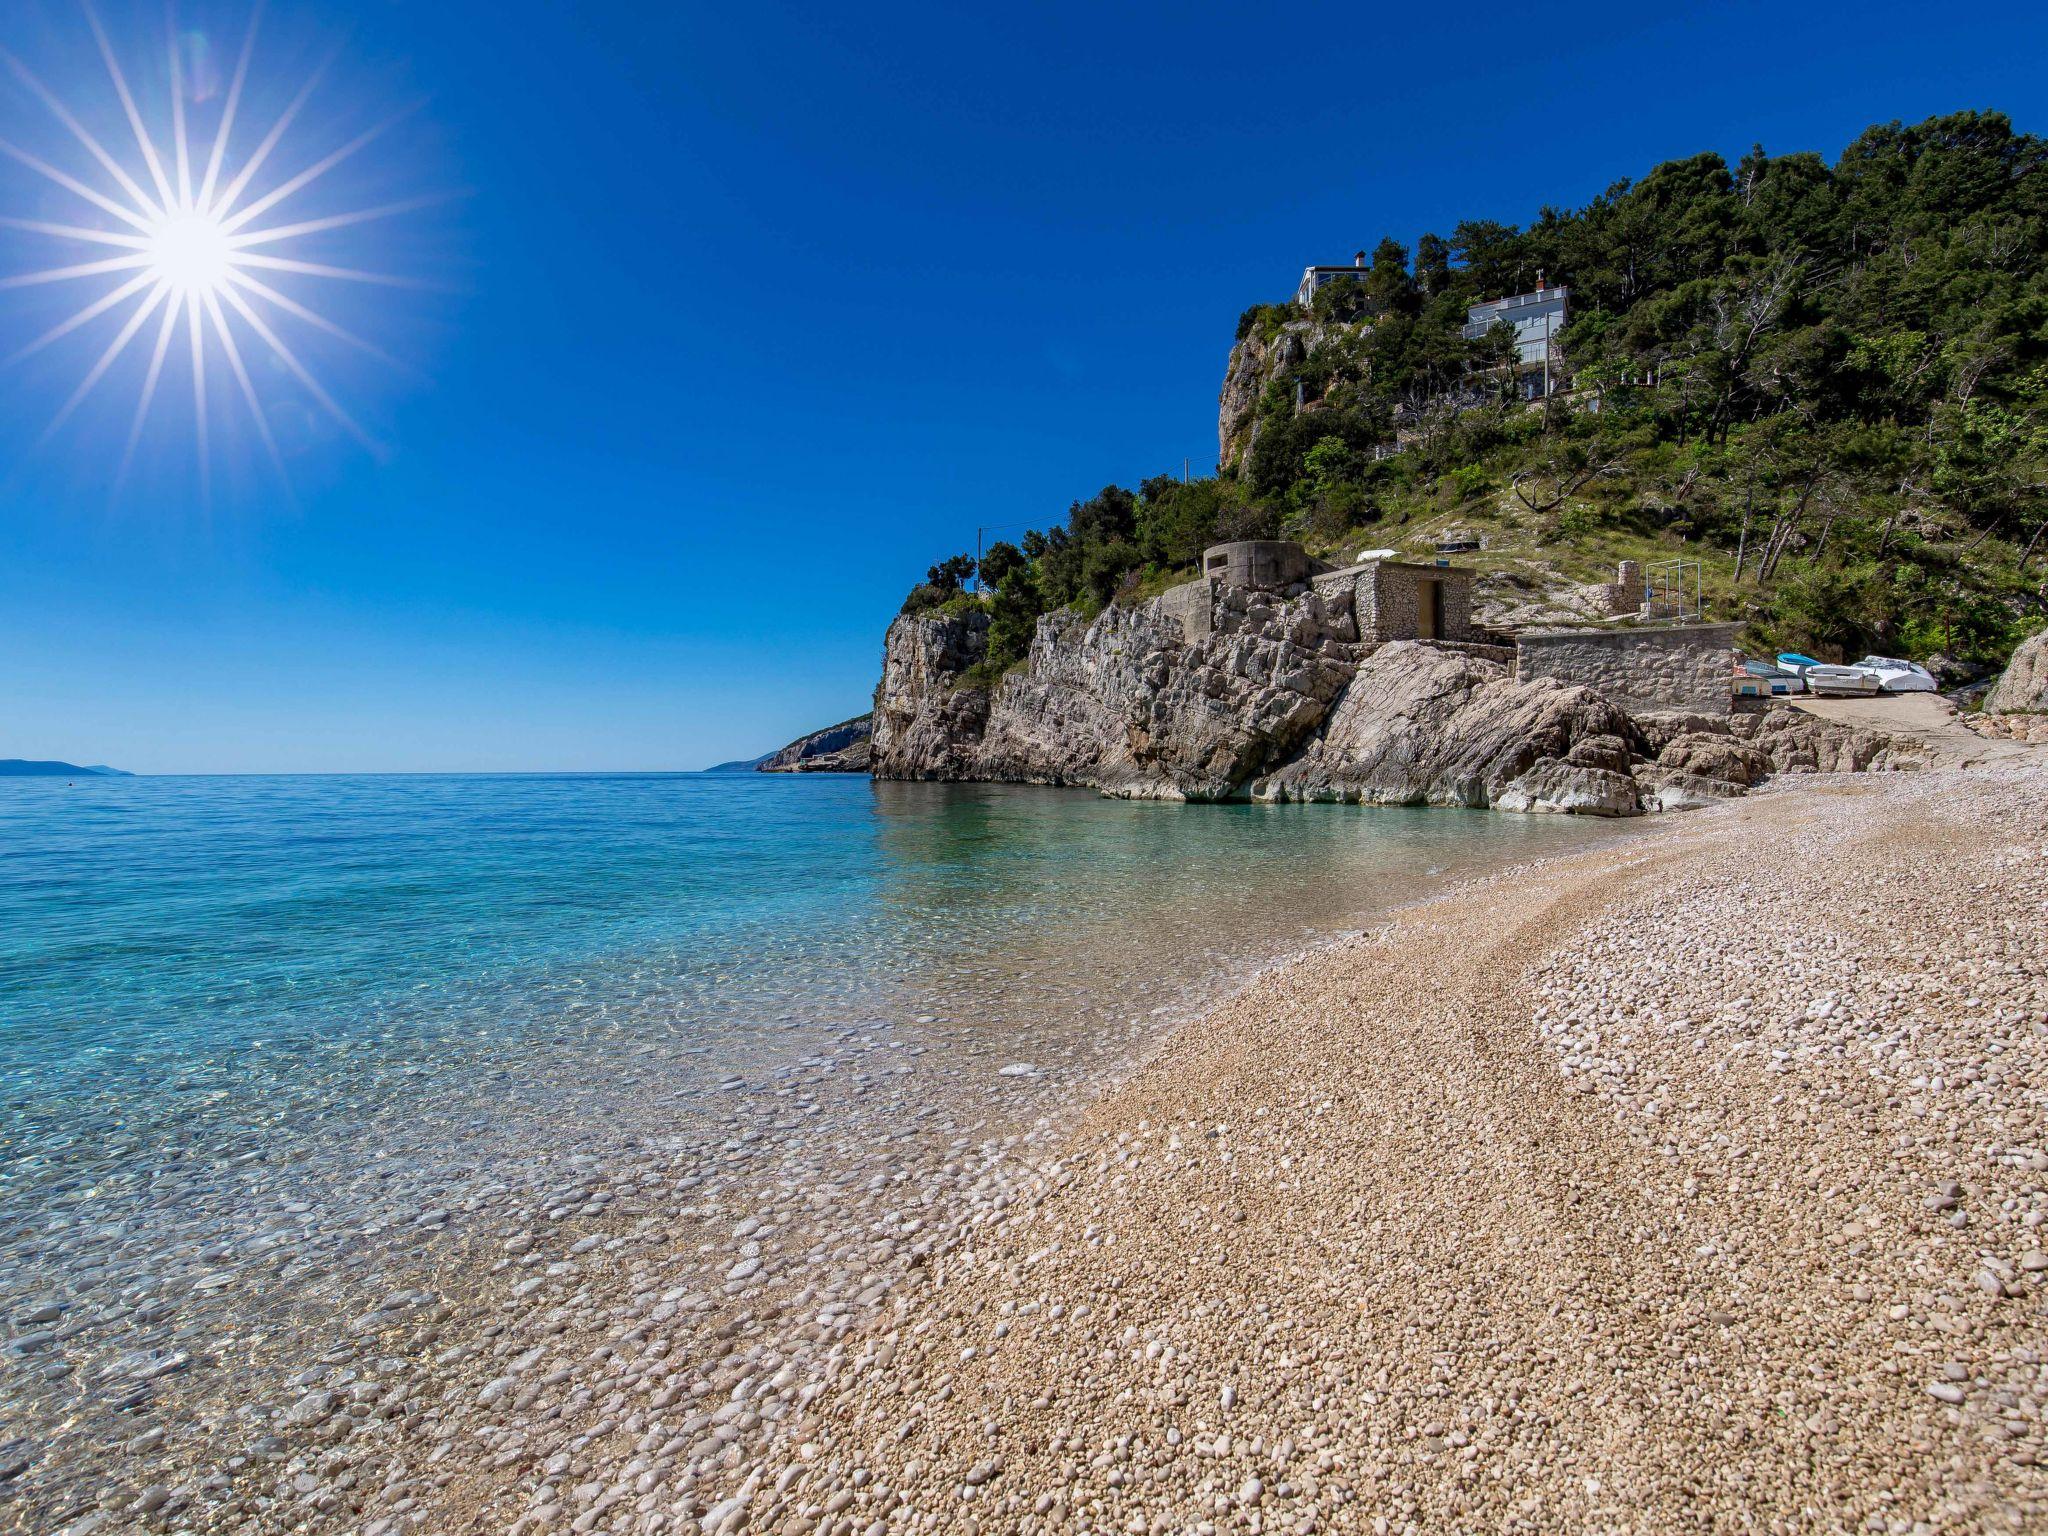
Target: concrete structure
[[1313, 278], [1537, 319], [1264, 564], [1388, 599], [1681, 667], [1193, 603]]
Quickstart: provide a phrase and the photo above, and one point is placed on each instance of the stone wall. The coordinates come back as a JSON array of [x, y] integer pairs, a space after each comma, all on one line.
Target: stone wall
[[1679, 668]]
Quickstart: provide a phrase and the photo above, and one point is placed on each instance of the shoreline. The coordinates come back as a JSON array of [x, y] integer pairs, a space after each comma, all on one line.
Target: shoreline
[[239, 1350], [820, 1337], [1486, 1245]]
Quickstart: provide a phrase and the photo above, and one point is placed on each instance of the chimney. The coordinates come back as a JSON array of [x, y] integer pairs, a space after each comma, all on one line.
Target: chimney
[[1358, 260], [1540, 283]]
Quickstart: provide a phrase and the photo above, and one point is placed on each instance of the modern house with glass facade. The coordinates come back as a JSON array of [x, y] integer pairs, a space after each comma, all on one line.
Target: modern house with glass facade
[[1538, 318], [1313, 278]]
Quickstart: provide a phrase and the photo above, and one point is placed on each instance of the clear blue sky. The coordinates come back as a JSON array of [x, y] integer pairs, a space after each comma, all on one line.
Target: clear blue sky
[[755, 310]]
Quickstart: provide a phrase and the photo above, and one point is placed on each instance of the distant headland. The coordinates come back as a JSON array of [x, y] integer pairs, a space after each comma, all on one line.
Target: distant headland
[[31, 768]]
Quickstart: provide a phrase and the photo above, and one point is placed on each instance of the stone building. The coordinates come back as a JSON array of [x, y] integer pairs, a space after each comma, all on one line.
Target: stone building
[[1395, 600]]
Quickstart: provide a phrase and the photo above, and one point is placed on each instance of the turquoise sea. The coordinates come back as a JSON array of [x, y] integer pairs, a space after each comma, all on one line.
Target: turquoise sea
[[275, 1050], [161, 933]]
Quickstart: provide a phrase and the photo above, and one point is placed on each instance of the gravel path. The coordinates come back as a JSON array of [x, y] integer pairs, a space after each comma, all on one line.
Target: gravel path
[[1695, 1183]]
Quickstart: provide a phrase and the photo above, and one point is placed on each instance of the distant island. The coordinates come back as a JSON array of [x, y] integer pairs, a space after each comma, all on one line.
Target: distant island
[[31, 768]]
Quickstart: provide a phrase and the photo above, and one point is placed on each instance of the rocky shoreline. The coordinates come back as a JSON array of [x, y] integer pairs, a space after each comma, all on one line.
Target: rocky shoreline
[[1696, 1178], [1280, 699]]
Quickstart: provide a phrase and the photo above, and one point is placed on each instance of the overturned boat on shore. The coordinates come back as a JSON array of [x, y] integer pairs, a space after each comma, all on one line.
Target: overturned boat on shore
[[1827, 680], [1896, 676]]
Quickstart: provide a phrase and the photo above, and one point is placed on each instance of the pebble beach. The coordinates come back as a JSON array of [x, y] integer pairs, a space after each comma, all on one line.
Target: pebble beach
[[1694, 1181]]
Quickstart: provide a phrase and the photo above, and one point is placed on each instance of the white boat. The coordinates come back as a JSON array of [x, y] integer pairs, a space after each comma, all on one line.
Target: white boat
[[1895, 676], [1772, 679], [1839, 682]]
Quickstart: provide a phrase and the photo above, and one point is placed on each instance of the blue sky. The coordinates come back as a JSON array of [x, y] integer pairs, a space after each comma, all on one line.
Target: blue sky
[[745, 314]]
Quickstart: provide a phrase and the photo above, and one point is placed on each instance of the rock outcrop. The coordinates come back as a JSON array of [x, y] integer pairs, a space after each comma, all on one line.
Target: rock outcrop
[[927, 720], [1417, 725], [842, 748], [1124, 704], [1254, 363], [1278, 700], [2023, 689]]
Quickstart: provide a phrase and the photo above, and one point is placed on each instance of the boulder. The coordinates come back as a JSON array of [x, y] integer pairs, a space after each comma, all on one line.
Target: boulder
[[1674, 789], [1572, 789], [2023, 688], [1704, 755], [1418, 725]]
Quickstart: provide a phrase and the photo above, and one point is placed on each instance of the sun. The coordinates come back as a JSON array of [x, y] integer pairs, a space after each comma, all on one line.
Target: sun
[[192, 253], [187, 242]]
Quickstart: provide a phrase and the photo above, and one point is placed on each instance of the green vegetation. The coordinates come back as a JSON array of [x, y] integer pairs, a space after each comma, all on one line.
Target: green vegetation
[[1829, 384]]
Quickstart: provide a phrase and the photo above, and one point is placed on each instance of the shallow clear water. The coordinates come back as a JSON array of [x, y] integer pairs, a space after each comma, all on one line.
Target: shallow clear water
[[163, 935], [274, 1050]]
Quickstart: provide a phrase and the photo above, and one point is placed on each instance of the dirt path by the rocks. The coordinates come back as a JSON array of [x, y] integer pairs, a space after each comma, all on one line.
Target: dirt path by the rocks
[[1607, 1196]]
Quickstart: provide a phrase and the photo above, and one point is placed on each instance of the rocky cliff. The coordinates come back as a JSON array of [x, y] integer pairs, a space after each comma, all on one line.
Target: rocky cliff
[[1255, 361], [1279, 701], [841, 748]]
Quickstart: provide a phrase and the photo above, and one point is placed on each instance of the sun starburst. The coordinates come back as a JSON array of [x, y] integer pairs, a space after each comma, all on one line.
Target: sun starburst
[[175, 242]]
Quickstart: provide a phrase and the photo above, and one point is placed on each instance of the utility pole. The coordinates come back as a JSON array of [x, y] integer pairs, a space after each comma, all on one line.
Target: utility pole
[[980, 533]]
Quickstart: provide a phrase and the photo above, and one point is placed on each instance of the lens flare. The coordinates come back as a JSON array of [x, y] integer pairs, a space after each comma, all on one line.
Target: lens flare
[[178, 238]]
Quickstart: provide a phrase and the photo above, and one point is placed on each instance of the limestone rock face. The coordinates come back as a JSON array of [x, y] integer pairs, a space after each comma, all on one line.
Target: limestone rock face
[[1278, 700], [2023, 689], [1423, 726], [1124, 703], [1254, 363], [1792, 741], [842, 748], [1709, 755], [926, 726]]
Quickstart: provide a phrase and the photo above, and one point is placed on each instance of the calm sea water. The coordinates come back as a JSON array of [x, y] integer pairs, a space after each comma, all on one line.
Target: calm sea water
[[273, 1050], [152, 929], [353, 974]]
